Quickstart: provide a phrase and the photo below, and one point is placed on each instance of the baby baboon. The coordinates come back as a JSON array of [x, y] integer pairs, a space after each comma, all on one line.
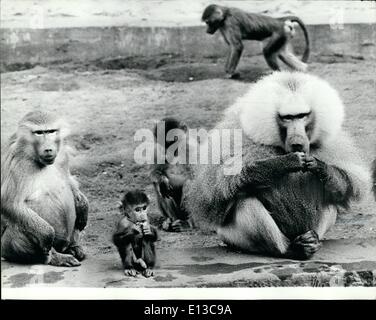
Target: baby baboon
[[134, 236]]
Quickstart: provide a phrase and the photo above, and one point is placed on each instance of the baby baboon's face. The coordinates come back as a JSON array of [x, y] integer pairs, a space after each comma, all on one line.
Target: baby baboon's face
[[137, 212]]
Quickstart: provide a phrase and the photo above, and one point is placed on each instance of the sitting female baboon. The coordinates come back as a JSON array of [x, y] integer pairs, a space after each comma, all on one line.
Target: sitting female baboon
[[298, 168], [42, 208]]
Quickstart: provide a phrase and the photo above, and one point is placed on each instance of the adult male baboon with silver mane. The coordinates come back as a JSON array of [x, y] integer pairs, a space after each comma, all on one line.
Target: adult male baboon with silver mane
[[298, 168], [42, 208]]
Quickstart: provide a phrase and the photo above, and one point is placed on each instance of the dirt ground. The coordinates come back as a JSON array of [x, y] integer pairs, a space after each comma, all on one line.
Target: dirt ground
[[105, 102]]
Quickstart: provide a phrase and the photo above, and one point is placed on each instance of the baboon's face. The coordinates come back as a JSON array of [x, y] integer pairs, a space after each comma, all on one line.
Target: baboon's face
[[296, 130], [137, 212], [46, 144], [214, 19], [212, 26]]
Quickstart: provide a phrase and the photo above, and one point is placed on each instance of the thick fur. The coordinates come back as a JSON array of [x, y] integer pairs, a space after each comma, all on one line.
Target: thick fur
[[42, 208], [298, 201]]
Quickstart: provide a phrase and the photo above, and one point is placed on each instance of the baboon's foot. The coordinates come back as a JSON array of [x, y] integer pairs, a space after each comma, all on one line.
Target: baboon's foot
[[62, 260], [130, 272], [76, 251], [147, 273], [304, 246]]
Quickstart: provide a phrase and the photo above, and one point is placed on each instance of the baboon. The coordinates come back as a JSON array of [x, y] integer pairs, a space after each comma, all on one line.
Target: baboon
[[42, 207], [298, 168], [134, 236], [169, 179], [237, 25]]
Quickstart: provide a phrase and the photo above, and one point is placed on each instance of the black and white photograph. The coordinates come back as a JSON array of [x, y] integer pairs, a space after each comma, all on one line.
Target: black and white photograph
[[222, 149]]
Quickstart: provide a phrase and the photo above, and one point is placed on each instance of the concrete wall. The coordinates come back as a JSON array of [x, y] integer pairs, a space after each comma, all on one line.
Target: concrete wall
[[41, 46]]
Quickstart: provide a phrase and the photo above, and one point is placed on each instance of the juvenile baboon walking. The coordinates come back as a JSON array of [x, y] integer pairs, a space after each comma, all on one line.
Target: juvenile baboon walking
[[237, 25]]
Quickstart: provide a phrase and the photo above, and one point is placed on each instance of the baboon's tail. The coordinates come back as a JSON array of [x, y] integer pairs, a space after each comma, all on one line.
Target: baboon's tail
[[302, 25]]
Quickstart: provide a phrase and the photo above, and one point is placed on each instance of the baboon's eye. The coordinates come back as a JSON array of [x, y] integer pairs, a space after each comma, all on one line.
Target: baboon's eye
[[286, 117], [138, 209], [144, 208], [302, 115], [38, 132], [51, 132]]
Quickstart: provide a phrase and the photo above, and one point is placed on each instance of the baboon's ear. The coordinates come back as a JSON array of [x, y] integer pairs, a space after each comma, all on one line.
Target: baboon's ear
[[221, 14]]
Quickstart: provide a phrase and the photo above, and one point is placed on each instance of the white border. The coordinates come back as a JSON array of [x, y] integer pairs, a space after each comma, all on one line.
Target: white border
[[72, 293]]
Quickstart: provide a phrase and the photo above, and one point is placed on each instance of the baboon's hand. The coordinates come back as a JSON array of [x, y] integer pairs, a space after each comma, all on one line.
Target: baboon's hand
[[166, 225], [310, 163], [316, 166], [146, 230], [43, 235], [82, 209], [137, 229], [177, 226], [295, 161]]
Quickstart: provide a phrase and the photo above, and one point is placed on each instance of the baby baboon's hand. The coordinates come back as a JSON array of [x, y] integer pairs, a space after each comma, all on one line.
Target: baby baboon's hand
[[137, 228], [146, 229]]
